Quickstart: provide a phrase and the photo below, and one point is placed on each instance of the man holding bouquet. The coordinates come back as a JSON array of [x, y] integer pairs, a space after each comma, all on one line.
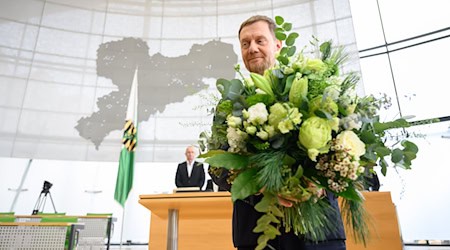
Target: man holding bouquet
[[259, 47]]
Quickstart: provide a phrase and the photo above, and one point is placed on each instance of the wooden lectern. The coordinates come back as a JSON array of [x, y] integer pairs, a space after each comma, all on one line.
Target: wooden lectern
[[383, 224], [202, 220], [186, 221]]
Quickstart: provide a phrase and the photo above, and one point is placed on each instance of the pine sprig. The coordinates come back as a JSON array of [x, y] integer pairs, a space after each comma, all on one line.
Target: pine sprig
[[357, 219], [314, 219], [270, 164]]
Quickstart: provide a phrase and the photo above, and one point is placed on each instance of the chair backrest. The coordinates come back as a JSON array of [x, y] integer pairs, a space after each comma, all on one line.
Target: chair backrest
[[5, 218], [6, 213]]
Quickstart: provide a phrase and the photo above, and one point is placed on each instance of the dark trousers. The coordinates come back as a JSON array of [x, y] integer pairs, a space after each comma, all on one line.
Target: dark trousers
[[289, 241]]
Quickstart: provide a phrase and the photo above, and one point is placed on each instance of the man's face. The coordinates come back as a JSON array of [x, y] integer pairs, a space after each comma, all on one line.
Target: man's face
[[258, 47], [190, 154]]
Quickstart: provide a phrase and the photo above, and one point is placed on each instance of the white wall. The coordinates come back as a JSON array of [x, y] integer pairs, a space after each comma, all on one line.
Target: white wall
[[86, 187]]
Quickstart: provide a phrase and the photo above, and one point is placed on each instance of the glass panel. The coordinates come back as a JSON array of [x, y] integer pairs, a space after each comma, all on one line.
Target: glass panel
[[366, 21], [403, 19], [420, 76], [378, 81]]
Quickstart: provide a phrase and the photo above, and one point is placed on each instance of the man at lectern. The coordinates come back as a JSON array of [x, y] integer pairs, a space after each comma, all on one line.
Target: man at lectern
[[190, 173]]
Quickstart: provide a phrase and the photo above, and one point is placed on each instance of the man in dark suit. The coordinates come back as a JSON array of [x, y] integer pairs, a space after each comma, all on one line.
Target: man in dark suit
[[190, 173], [258, 48]]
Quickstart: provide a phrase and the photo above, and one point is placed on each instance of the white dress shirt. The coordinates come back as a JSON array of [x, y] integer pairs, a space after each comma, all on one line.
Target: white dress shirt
[[190, 166]]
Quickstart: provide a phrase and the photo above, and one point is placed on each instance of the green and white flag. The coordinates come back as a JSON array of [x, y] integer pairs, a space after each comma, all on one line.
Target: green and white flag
[[124, 181]]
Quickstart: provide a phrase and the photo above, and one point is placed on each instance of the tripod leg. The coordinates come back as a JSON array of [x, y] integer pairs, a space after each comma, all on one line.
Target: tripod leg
[[51, 199], [37, 205]]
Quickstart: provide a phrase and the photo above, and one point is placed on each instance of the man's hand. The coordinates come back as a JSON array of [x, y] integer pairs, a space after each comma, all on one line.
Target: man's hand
[[286, 201], [312, 188]]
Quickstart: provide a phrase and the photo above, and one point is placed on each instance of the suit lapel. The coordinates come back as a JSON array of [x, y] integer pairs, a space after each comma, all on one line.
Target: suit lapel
[[186, 170]]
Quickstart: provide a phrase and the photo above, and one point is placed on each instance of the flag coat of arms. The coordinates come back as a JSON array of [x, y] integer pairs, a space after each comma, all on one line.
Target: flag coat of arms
[[124, 181]]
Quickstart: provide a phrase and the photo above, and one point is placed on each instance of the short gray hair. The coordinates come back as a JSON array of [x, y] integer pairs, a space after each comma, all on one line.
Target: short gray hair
[[257, 18]]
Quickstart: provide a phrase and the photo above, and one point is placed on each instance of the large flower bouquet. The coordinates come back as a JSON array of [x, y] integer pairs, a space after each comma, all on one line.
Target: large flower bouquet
[[295, 131]]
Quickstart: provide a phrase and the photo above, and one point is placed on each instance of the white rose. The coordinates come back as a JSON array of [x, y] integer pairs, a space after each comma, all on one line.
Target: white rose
[[349, 140], [257, 114]]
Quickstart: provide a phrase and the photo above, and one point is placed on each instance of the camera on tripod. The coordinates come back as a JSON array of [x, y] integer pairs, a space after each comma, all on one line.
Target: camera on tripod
[[40, 203], [47, 186]]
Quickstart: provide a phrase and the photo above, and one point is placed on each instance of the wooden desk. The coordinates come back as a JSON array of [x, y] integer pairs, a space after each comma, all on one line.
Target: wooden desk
[[383, 225], [205, 221]]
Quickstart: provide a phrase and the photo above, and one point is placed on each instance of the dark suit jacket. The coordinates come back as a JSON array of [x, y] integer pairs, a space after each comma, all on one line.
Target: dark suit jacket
[[197, 178], [245, 217]]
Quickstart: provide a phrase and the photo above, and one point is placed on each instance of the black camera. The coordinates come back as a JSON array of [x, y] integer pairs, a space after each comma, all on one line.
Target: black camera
[[40, 203], [47, 186]]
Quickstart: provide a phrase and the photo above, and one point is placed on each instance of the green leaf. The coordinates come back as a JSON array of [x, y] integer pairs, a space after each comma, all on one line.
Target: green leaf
[[244, 185], [272, 232], [276, 211], [263, 220], [237, 108], [262, 242], [408, 155], [299, 172], [264, 204], [258, 144], [280, 36], [283, 60], [291, 51], [294, 35], [273, 219], [368, 137], [382, 151], [259, 228], [211, 153], [399, 123], [351, 194], [235, 90], [288, 160], [290, 40], [228, 160], [325, 49], [288, 85], [370, 155], [223, 86], [284, 51], [287, 26], [384, 166], [397, 155], [254, 99], [323, 114], [279, 20], [410, 146]]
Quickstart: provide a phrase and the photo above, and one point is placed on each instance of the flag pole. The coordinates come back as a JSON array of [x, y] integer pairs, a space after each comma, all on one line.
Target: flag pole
[[121, 230], [125, 173]]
